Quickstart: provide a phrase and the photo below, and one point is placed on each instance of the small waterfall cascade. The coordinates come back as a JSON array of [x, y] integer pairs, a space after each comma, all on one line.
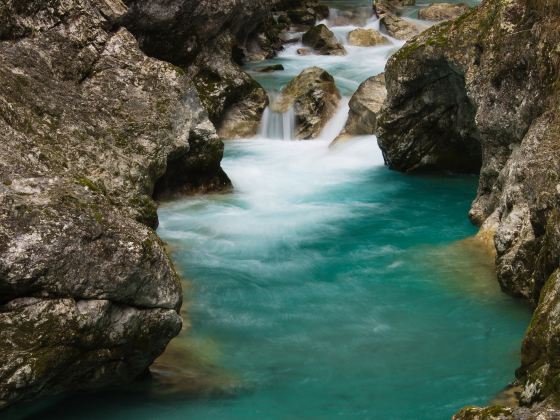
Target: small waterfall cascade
[[278, 125]]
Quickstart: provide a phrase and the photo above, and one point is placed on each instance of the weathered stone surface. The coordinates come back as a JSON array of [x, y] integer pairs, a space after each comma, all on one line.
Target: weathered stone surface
[[366, 38], [443, 11], [210, 39], [234, 100], [365, 105], [540, 412], [501, 63], [395, 26], [323, 41], [90, 130], [315, 98]]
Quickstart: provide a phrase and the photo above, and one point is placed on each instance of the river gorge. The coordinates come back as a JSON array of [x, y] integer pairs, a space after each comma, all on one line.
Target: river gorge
[[315, 280]]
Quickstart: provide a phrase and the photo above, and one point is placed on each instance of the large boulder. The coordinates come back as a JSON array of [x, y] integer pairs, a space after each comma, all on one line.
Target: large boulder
[[323, 41], [91, 130], [365, 105], [210, 40], [443, 11], [362, 37], [480, 94], [314, 97], [234, 100]]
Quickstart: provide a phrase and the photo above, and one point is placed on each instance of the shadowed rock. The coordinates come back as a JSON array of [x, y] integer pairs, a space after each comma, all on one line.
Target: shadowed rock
[[443, 11]]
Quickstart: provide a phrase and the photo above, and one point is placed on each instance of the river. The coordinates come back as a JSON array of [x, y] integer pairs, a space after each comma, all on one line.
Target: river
[[325, 285]]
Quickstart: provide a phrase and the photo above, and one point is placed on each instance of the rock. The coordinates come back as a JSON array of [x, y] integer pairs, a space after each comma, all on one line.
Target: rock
[[443, 11], [541, 412], [396, 7], [204, 39], [304, 51], [480, 94], [397, 27], [234, 100], [270, 69], [322, 40], [92, 130], [303, 12], [289, 38], [366, 38], [356, 17], [315, 98], [365, 105]]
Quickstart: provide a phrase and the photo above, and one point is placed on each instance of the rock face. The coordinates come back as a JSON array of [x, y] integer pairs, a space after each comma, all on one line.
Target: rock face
[[322, 40], [365, 105], [234, 101], [91, 129], [366, 38], [302, 13], [395, 26], [501, 63], [315, 98], [210, 40], [443, 11]]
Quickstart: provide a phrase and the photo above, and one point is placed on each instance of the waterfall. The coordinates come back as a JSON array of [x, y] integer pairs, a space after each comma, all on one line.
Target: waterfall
[[278, 125]]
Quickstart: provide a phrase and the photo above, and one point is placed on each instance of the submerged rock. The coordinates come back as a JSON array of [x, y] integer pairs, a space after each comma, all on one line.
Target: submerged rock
[[443, 11], [480, 94], [315, 98], [322, 40], [366, 38], [364, 108]]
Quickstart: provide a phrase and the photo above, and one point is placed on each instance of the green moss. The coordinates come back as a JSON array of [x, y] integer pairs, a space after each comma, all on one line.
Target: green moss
[[87, 183], [98, 187], [162, 106], [147, 210]]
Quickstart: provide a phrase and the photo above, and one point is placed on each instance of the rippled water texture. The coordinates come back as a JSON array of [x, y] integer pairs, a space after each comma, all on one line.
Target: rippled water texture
[[325, 286]]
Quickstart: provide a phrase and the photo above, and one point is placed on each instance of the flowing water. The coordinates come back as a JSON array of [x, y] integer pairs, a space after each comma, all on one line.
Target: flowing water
[[325, 285]]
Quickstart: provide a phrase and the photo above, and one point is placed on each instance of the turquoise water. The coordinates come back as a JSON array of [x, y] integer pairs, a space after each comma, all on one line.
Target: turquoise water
[[325, 286]]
